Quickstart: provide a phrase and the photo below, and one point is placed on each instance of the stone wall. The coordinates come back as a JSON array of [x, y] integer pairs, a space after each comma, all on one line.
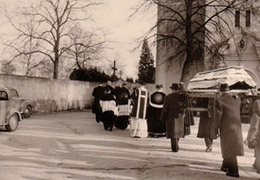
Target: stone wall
[[49, 95]]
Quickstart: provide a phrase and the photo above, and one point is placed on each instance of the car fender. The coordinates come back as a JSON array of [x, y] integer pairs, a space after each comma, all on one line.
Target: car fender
[[11, 112], [24, 104]]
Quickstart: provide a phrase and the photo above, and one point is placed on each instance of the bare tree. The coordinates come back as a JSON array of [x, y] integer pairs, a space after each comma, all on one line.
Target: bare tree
[[7, 68], [52, 21], [84, 46], [21, 47], [184, 25]]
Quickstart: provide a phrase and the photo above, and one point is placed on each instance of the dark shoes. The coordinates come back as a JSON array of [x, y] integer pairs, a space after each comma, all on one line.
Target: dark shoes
[[209, 149], [175, 149], [229, 173], [236, 175]]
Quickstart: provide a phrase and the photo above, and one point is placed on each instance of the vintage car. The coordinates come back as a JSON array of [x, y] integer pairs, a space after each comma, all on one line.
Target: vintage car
[[10, 110], [25, 104], [205, 85]]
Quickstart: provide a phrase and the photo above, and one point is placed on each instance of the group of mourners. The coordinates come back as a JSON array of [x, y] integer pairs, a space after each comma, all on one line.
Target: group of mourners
[[112, 105], [158, 115]]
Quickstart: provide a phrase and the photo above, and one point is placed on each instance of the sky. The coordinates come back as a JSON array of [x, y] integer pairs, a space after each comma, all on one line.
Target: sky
[[122, 32]]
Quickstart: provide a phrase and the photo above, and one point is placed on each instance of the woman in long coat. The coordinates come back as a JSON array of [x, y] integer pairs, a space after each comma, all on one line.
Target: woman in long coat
[[253, 136], [173, 116], [229, 123]]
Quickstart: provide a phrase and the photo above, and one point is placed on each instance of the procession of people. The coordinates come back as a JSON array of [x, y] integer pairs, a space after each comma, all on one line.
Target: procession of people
[[159, 115]]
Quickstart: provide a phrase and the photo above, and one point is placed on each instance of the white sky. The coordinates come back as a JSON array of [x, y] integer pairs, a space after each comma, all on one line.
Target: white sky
[[121, 31], [124, 31]]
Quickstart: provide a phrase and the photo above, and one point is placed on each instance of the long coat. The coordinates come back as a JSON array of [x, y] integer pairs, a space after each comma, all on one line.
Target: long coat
[[229, 123], [97, 93], [173, 116], [206, 123], [154, 110], [254, 132]]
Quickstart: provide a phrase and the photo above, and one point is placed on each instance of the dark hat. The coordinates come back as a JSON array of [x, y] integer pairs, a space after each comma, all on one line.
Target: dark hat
[[175, 86], [224, 87]]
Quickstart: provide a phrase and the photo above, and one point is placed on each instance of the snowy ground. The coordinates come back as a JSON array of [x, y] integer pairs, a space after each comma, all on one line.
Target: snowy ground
[[72, 146]]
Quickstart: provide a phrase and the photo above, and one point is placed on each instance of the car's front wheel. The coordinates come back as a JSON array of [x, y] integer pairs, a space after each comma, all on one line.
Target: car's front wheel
[[28, 112], [13, 123]]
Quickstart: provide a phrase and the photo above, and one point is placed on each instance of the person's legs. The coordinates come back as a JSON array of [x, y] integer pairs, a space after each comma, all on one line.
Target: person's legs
[[208, 143], [175, 144], [105, 120], [232, 167], [124, 122], [99, 114], [98, 117], [111, 120], [224, 166]]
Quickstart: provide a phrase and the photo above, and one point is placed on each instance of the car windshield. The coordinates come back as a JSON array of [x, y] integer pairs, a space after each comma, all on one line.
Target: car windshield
[[3, 96], [14, 93]]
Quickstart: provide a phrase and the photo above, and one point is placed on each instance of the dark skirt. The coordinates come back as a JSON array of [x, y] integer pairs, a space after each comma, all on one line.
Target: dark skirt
[[122, 122], [108, 119], [153, 120]]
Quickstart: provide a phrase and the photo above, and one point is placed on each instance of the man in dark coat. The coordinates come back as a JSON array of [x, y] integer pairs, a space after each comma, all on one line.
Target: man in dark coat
[[123, 102], [229, 124], [173, 115], [156, 128], [97, 93]]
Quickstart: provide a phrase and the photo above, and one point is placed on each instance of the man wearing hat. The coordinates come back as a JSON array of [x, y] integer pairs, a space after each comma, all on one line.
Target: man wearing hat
[[173, 116], [228, 123]]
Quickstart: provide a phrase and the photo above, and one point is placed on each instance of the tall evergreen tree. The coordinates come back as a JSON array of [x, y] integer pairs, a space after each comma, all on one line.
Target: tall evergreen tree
[[146, 67]]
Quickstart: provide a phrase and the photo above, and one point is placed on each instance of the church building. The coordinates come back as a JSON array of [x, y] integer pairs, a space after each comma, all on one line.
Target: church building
[[237, 42]]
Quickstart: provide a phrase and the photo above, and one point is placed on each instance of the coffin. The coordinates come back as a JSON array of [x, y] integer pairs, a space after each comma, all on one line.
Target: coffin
[[236, 77]]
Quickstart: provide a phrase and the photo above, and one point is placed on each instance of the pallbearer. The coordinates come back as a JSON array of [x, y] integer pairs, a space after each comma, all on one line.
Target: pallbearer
[[228, 123], [156, 128], [173, 115], [138, 124]]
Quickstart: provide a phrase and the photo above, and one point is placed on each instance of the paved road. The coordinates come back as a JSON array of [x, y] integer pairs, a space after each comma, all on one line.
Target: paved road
[[72, 146]]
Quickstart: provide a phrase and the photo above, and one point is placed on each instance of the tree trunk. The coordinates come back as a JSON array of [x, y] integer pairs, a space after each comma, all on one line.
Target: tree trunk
[[189, 42], [194, 61], [56, 68]]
